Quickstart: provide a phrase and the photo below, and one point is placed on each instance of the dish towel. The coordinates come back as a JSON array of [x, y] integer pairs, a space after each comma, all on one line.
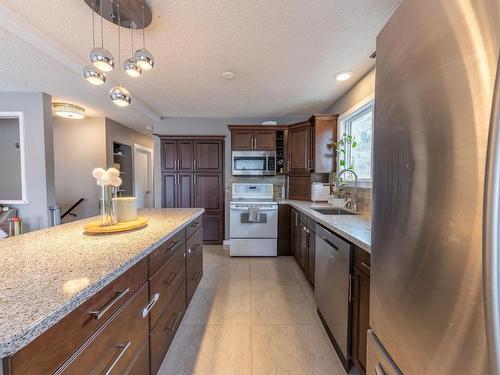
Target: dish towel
[[253, 214]]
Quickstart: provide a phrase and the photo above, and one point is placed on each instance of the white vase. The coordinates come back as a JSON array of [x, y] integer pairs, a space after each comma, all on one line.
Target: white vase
[[338, 202], [126, 208], [108, 207]]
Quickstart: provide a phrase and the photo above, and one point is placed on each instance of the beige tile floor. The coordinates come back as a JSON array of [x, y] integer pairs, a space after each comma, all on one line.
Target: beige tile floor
[[251, 316]]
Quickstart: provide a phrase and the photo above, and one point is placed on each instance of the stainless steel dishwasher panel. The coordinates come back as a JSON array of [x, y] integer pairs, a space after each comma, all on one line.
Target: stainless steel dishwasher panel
[[333, 287]]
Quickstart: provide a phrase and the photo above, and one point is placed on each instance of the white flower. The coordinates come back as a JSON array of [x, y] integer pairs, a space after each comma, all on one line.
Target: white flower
[[98, 172], [113, 172], [115, 181], [103, 180]]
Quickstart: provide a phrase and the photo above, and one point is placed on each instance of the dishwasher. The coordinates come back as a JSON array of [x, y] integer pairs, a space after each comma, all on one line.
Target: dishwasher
[[332, 290]]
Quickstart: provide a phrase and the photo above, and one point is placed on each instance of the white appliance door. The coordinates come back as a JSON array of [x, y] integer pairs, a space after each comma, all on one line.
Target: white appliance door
[[241, 227]]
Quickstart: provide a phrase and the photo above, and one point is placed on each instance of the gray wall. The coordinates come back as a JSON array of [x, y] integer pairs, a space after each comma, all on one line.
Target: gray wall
[[10, 160], [203, 126], [359, 91], [79, 147], [116, 132], [39, 156]]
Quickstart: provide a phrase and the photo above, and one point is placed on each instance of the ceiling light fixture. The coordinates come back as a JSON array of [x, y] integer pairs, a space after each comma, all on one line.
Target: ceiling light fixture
[[93, 75], [100, 57], [228, 75], [144, 58], [130, 65], [120, 95], [344, 75], [67, 110]]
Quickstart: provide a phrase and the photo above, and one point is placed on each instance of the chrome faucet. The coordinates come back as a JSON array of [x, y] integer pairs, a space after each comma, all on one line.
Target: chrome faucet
[[352, 202]]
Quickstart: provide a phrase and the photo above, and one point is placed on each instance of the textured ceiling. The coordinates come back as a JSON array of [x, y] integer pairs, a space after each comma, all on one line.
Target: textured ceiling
[[284, 54]]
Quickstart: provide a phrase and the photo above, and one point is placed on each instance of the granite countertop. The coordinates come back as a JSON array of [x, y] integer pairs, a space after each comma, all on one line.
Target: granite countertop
[[46, 274], [355, 228]]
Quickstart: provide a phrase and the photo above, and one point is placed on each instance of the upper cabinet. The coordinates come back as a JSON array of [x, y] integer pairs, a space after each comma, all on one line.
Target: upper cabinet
[[247, 139], [300, 154], [324, 134]]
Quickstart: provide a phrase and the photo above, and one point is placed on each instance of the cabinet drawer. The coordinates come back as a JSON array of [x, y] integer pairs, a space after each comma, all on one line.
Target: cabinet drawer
[[113, 348], [162, 335], [140, 363], [165, 251], [46, 353], [194, 245], [165, 283], [193, 227], [362, 260]]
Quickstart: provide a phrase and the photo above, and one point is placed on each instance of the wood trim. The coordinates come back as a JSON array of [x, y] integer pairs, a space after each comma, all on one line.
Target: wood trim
[[256, 127]]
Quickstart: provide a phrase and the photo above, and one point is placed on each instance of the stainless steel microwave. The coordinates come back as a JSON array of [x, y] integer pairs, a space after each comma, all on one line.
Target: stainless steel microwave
[[254, 163]]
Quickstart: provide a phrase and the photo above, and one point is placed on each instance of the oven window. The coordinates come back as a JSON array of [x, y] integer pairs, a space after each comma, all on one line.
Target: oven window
[[244, 219], [246, 163]]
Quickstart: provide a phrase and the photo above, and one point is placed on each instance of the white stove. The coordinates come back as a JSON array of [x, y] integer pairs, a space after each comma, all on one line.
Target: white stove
[[253, 220]]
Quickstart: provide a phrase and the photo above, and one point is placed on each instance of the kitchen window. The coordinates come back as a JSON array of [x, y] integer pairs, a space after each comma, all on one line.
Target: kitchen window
[[359, 124]]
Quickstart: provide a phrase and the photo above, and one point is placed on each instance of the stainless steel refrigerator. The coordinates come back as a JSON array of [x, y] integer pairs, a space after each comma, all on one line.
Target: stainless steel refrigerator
[[435, 112]]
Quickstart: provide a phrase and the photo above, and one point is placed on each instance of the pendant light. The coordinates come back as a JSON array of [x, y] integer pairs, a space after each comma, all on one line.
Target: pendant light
[[100, 57], [119, 95], [144, 58], [130, 65], [90, 72]]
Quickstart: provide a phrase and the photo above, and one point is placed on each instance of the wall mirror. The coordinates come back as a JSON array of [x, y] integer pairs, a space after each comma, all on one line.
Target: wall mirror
[[12, 159]]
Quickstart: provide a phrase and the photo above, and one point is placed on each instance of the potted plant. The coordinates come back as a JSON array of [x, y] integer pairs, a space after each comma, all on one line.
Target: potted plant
[[337, 182]]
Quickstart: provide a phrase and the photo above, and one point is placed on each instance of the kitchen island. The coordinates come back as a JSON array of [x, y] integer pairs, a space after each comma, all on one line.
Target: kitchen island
[[49, 277]]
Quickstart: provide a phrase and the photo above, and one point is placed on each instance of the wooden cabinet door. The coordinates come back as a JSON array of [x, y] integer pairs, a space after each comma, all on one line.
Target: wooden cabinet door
[[208, 156], [213, 228], [242, 140], [284, 217], [185, 155], [295, 235], [312, 257], [209, 191], [169, 188], [264, 140], [304, 249], [185, 194], [299, 149], [168, 155], [360, 317]]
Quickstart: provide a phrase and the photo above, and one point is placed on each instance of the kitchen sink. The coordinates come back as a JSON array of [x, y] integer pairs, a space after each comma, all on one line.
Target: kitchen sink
[[334, 211]]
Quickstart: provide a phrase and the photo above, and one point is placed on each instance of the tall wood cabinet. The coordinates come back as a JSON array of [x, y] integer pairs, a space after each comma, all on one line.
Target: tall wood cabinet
[[193, 176]]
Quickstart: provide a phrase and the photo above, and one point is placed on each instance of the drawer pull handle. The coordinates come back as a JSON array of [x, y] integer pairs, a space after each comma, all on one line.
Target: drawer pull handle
[[98, 314], [173, 322], [171, 279], [379, 370], [365, 265], [194, 225], [171, 247], [123, 348], [150, 305], [189, 251]]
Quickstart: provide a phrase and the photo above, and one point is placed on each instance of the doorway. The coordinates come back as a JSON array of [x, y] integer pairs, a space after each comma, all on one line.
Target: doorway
[[143, 176]]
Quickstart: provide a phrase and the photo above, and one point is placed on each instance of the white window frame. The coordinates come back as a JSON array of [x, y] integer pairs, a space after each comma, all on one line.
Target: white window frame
[[343, 122]]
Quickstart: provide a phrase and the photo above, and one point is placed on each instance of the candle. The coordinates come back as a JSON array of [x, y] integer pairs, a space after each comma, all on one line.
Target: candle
[[126, 208]]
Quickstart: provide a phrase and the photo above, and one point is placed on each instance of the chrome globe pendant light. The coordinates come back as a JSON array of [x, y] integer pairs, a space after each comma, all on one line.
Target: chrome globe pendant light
[[90, 72], [120, 95], [100, 57], [144, 58], [130, 65]]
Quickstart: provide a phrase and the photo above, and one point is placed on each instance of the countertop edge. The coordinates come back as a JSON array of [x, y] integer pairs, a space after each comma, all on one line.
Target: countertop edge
[[17, 341], [356, 241]]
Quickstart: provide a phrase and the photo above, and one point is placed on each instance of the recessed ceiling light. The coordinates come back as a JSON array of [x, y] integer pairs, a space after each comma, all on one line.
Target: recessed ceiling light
[[344, 75], [228, 75], [67, 110]]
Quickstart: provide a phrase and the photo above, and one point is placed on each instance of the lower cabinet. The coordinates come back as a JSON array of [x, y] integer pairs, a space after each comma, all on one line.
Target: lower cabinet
[[128, 326], [360, 307]]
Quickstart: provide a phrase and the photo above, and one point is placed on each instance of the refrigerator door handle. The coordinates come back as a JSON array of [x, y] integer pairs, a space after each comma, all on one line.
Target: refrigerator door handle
[[491, 234]]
